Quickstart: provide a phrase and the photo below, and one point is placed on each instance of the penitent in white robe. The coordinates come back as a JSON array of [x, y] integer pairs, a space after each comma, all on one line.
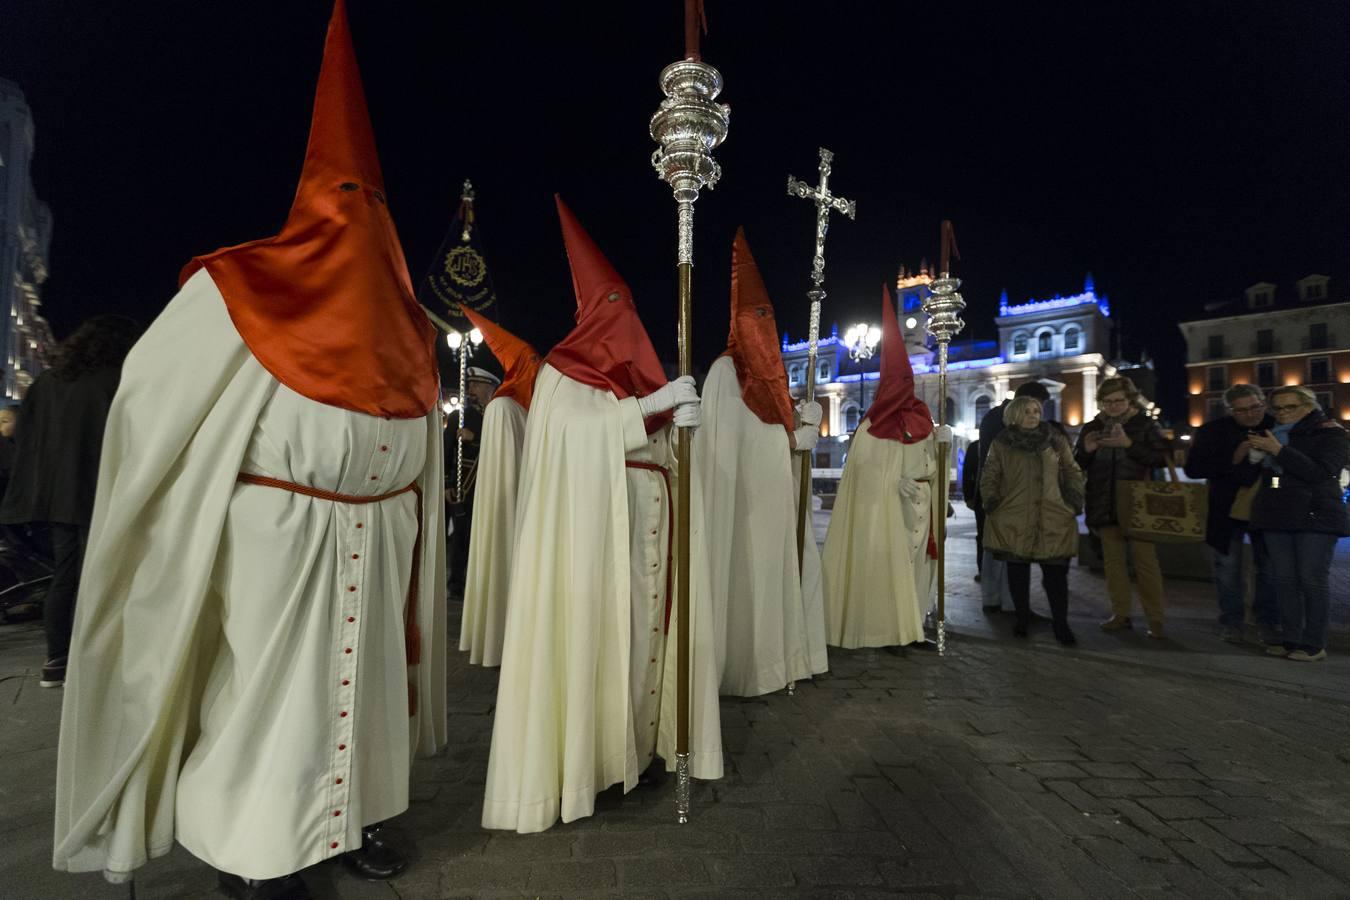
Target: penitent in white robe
[[767, 632], [587, 689], [483, 627], [237, 676], [876, 546]]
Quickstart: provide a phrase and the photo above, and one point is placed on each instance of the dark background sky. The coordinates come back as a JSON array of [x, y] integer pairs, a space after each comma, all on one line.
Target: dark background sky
[[1179, 151]]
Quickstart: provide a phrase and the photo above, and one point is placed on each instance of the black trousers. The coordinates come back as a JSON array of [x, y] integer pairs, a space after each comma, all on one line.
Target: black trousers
[[1055, 580], [979, 539], [68, 542]]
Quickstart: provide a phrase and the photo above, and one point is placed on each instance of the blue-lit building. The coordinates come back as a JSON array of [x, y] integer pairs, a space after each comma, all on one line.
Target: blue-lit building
[[1062, 342], [25, 235]]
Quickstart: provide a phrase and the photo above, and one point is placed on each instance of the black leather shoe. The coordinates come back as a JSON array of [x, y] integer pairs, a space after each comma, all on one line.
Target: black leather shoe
[[291, 887], [376, 860], [653, 776]]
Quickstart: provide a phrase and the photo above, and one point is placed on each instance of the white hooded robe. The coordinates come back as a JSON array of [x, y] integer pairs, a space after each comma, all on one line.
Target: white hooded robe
[[587, 689], [768, 630], [237, 676], [483, 626], [876, 548]]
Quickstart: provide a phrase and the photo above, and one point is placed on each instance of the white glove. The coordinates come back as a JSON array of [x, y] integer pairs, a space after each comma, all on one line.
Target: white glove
[[689, 415], [910, 490], [943, 434], [807, 436], [810, 414], [681, 390]]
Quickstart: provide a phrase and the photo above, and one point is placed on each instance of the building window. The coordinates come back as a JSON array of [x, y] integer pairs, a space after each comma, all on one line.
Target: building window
[[1019, 344], [823, 371], [1319, 370], [1265, 375], [1216, 346], [1214, 409], [951, 411], [982, 404], [851, 419], [1324, 401], [1314, 291], [1265, 341], [1043, 340], [1050, 409], [1218, 378], [794, 374], [1317, 336], [1071, 338]]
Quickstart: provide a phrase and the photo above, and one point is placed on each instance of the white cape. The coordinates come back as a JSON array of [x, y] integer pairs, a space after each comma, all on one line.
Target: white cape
[[587, 691], [483, 626], [877, 575], [766, 633], [223, 629]]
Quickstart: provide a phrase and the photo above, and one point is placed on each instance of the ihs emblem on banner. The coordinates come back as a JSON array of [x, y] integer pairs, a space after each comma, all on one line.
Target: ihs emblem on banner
[[465, 267]]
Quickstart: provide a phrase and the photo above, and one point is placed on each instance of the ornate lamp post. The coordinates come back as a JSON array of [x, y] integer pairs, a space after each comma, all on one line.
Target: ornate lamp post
[[688, 125], [862, 340], [943, 307]]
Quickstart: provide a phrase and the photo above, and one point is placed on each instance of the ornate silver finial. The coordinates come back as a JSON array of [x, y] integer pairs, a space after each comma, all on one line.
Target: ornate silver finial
[[944, 305], [688, 125]]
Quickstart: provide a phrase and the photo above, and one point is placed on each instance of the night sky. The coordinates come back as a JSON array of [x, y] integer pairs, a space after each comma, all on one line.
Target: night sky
[[1179, 151]]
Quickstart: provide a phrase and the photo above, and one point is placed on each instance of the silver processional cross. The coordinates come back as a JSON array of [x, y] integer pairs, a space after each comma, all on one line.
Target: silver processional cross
[[825, 203]]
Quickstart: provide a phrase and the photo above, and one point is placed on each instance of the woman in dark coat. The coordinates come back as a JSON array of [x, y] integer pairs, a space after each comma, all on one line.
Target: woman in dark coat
[[1122, 444], [1300, 511], [56, 464]]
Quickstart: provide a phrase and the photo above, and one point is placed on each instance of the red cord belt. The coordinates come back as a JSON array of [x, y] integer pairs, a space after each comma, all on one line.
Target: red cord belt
[[670, 521], [412, 635]]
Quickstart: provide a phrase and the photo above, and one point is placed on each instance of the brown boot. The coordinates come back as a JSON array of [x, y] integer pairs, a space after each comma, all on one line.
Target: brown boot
[[1117, 623]]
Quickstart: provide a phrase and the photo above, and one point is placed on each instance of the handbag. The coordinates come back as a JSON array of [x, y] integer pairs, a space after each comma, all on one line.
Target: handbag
[[1163, 512]]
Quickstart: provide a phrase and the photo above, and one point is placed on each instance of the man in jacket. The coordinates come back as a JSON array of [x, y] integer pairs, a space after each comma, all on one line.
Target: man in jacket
[[1221, 453]]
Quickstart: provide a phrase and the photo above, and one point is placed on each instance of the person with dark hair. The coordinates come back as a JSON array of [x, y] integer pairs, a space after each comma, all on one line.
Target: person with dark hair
[[970, 490], [1122, 444], [1223, 454], [55, 467]]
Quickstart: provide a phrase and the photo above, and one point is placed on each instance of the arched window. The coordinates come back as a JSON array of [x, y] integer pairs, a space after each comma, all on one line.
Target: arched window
[[1043, 342], [823, 370], [951, 411], [1019, 344], [794, 374], [982, 404], [1071, 338], [1050, 410], [851, 419]]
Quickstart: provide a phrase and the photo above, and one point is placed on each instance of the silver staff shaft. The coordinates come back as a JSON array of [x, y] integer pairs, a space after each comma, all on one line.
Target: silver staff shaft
[[688, 125]]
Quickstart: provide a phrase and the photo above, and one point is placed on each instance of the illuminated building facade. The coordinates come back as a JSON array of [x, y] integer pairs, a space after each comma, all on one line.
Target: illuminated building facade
[[25, 236], [1062, 342], [1271, 338]]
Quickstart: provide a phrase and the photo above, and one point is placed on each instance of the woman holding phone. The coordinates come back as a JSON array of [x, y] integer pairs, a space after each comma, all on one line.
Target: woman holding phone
[[1122, 444]]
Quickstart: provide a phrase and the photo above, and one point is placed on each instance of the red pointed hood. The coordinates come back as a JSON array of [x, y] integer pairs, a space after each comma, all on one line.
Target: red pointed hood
[[608, 349], [327, 306], [753, 342], [520, 362], [896, 413]]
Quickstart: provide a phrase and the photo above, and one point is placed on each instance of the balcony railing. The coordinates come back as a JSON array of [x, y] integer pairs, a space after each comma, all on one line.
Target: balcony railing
[[1319, 342]]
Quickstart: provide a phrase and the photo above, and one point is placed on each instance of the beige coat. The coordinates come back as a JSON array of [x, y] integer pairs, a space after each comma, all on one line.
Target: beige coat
[[1024, 492]]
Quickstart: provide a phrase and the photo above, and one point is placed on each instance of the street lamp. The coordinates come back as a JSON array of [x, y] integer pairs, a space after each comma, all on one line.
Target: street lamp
[[861, 340]]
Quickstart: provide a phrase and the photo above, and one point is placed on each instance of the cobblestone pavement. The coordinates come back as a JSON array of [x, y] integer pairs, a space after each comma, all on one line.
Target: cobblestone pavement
[[1124, 767]]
